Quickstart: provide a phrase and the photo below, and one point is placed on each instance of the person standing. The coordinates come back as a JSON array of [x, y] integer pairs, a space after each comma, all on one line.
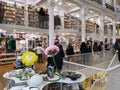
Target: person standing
[[117, 48], [39, 50], [69, 51], [83, 50], [46, 21], [41, 13], [58, 58]]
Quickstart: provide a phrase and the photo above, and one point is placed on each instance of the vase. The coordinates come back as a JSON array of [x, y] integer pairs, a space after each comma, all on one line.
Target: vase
[[50, 71]]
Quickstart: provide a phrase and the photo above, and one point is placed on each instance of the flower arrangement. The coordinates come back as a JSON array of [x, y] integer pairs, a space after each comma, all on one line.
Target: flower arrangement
[[29, 58], [51, 51]]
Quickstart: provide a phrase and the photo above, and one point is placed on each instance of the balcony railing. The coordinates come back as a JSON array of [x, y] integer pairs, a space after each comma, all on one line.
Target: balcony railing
[[33, 19]]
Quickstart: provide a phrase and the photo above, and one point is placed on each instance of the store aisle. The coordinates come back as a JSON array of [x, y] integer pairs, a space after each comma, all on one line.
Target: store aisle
[[6, 68]]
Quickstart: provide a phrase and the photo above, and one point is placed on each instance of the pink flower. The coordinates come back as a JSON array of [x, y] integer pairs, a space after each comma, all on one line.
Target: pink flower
[[51, 50]]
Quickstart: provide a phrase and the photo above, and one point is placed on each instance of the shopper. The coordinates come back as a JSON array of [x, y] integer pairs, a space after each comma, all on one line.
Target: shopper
[[69, 51], [117, 47], [95, 46], [41, 17], [57, 21], [83, 50], [58, 58], [39, 51], [46, 24]]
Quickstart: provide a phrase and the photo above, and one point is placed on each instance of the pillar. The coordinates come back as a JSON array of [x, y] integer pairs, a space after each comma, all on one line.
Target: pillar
[[83, 21], [114, 30], [102, 27], [115, 5], [51, 4], [103, 3]]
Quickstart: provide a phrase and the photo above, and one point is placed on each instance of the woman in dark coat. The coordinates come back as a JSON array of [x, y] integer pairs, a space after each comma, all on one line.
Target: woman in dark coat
[[70, 50], [58, 58], [83, 50]]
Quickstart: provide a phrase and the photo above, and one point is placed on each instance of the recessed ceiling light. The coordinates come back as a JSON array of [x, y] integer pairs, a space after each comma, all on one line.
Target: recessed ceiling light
[[60, 3], [91, 11], [22, 32], [69, 4], [77, 15], [106, 17], [56, 0]]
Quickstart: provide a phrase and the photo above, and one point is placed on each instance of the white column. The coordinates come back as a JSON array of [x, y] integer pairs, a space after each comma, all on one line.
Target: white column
[[101, 27], [114, 30], [115, 5], [103, 3], [83, 29], [51, 4]]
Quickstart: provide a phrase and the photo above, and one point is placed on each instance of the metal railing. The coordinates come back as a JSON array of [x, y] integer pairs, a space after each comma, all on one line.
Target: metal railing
[[91, 59], [97, 73], [103, 79]]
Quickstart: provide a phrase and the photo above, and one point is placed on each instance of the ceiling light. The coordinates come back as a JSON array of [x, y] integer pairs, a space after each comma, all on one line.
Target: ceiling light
[[91, 19], [60, 3], [69, 4], [22, 32], [56, 0], [106, 17], [77, 15], [91, 11]]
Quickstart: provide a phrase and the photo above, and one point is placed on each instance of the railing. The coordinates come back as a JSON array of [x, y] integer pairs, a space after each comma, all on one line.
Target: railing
[[95, 72], [91, 59], [103, 79], [33, 19]]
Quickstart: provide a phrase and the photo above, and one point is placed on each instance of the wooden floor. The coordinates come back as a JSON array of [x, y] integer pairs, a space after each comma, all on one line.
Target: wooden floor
[[6, 68]]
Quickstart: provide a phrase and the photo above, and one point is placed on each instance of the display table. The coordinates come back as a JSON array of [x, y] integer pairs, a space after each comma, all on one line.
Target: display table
[[10, 75]]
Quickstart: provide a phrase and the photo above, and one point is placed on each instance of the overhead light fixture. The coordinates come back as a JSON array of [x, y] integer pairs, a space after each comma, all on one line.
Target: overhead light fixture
[[69, 4], [77, 15], [56, 0], [106, 17], [91, 11], [60, 3]]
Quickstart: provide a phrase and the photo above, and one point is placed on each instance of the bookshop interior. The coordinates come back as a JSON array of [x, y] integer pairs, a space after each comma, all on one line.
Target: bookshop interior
[[59, 44]]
